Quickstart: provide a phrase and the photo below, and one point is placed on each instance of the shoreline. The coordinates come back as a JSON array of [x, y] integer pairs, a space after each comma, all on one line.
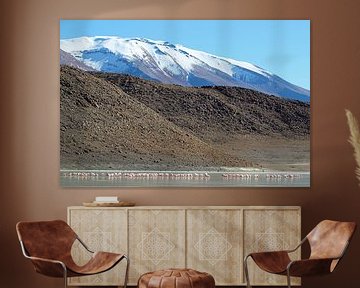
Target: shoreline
[[112, 178], [228, 171], [182, 174]]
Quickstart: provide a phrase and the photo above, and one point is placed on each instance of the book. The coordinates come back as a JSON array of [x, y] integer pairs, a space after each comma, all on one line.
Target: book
[[105, 202], [107, 199]]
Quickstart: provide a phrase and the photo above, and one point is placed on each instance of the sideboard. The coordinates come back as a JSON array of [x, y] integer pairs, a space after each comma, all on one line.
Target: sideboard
[[211, 239]]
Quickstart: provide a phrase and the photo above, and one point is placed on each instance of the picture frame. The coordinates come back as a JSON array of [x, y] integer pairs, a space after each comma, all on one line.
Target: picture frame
[[200, 106]]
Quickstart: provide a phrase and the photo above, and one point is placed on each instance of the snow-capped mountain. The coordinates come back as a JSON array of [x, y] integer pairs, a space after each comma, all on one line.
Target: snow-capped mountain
[[175, 64]]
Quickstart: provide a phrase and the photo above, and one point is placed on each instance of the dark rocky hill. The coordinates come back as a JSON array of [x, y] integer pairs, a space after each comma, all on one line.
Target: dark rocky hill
[[123, 122], [104, 127], [212, 113]]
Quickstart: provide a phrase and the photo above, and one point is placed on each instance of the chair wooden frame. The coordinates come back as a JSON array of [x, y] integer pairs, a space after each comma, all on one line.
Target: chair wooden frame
[[314, 265], [58, 268]]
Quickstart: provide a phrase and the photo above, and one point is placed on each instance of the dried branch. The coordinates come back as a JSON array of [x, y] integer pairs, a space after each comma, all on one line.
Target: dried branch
[[354, 140]]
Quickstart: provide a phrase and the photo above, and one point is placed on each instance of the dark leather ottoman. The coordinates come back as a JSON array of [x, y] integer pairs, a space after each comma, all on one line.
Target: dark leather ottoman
[[176, 278]]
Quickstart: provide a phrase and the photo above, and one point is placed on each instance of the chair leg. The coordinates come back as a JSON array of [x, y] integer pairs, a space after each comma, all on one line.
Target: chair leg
[[246, 270], [65, 275], [288, 278], [127, 271]]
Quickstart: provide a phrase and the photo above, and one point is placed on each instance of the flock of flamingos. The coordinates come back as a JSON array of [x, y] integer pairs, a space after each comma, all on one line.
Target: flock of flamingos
[[179, 175]]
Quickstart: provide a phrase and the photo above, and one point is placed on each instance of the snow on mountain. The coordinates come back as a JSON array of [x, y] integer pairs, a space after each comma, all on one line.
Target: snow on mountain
[[175, 64]]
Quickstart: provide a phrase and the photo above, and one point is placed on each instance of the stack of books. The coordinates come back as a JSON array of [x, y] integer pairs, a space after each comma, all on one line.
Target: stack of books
[[106, 199]]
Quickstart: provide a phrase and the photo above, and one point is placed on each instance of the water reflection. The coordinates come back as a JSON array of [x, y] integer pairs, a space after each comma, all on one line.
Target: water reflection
[[103, 178]]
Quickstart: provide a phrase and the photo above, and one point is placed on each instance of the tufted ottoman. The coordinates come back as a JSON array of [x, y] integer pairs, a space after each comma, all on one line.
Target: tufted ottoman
[[176, 278]]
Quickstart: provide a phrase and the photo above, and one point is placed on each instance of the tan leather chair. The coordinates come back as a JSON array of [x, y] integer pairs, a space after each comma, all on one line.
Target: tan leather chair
[[48, 245], [328, 242]]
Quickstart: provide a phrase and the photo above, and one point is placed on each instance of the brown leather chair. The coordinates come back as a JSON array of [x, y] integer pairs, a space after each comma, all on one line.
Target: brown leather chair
[[48, 245], [328, 242]]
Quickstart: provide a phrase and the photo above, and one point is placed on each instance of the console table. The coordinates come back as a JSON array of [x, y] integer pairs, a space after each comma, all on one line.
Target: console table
[[211, 239]]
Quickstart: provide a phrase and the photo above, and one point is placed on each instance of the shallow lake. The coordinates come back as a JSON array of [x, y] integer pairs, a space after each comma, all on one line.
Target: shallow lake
[[102, 178]]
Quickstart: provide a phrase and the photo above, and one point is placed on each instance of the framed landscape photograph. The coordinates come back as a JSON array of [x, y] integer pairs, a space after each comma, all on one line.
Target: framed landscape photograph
[[197, 103]]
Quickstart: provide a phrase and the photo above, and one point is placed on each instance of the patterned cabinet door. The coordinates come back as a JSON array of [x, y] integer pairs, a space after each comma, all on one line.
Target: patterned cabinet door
[[156, 240], [214, 244], [101, 230], [269, 230]]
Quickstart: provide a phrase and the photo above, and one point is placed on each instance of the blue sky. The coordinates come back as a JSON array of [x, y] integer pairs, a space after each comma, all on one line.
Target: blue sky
[[279, 46]]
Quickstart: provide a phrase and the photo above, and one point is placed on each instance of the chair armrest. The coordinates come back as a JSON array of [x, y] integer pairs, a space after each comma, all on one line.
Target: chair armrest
[[280, 251], [45, 260], [309, 267], [287, 250], [48, 267], [298, 246], [268, 254], [83, 244]]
